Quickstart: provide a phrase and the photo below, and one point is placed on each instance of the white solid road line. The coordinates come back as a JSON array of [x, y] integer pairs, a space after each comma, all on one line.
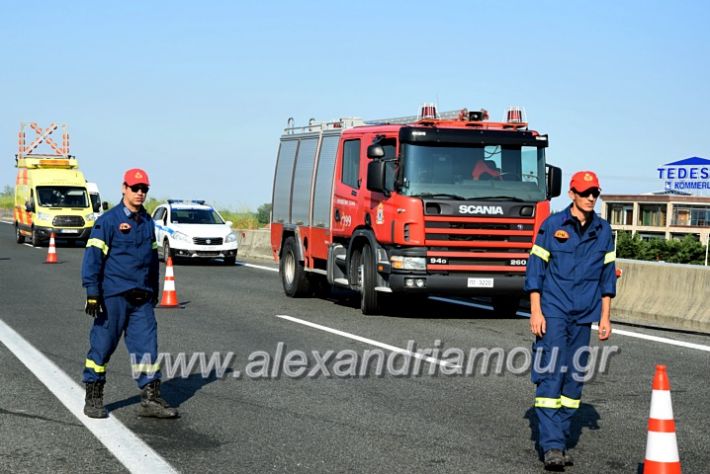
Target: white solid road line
[[620, 332], [129, 449], [372, 342]]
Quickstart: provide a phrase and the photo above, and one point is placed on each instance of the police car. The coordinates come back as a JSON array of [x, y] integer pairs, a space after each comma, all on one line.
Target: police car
[[191, 229]]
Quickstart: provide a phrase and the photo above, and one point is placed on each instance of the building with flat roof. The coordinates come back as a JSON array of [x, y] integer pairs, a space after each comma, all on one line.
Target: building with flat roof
[[661, 215]]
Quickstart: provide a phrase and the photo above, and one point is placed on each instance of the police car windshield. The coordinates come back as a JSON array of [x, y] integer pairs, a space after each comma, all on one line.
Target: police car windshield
[[62, 196], [195, 216], [473, 172]]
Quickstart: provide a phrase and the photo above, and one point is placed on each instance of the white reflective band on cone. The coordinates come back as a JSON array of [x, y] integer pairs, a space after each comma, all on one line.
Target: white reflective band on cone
[[169, 285], [169, 272], [661, 408], [661, 447]]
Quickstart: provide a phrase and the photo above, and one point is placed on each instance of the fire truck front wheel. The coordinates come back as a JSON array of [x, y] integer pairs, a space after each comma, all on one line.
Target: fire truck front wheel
[[293, 277], [370, 300]]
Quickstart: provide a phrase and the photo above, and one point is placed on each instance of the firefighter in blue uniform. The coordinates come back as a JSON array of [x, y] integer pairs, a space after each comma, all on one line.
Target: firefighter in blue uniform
[[571, 278], [121, 276]]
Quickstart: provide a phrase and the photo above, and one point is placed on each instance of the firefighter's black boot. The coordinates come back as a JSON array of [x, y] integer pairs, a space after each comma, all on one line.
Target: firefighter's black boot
[[94, 401], [154, 406]]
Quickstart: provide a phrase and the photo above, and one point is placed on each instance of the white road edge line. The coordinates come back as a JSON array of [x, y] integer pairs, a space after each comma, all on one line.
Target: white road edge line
[[259, 267], [371, 342], [129, 449], [523, 314]]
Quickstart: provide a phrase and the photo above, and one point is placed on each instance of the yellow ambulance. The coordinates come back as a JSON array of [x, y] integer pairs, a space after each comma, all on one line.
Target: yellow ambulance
[[50, 194]]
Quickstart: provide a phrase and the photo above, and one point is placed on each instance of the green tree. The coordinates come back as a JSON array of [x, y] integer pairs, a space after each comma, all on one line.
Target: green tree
[[263, 213]]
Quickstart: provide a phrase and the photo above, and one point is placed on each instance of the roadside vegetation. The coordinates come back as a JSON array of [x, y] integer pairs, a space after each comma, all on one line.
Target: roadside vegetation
[[687, 250], [241, 219]]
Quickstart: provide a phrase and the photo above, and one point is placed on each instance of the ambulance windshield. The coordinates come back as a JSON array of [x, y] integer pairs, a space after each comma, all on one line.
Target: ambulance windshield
[[473, 172], [62, 196]]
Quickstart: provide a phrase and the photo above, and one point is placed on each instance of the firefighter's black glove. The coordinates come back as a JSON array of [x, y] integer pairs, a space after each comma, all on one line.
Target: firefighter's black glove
[[93, 306]]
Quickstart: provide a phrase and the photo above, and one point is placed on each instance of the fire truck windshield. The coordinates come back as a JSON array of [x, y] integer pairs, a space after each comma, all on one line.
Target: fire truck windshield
[[473, 172]]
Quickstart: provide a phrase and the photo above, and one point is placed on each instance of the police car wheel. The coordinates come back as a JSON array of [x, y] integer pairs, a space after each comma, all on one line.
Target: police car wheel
[[166, 251], [18, 236], [230, 261]]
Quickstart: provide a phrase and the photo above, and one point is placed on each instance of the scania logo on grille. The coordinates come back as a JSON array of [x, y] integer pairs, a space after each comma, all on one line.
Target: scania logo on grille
[[208, 241], [473, 209]]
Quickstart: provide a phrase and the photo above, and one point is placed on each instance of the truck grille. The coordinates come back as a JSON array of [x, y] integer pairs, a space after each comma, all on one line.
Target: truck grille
[[478, 244], [207, 240], [68, 221]]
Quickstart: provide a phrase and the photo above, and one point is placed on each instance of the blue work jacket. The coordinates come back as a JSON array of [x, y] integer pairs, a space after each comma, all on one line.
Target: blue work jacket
[[121, 254], [572, 269]]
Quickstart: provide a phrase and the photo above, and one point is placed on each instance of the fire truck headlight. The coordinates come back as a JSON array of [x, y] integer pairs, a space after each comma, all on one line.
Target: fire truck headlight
[[400, 262], [231, 237]]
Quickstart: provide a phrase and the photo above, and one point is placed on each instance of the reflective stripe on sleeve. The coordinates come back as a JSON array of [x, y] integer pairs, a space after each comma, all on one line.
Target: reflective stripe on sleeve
[[155, 246], [99, 244], [610, 257], [99, 369], [542, 402], [540, 252], [569, 402]]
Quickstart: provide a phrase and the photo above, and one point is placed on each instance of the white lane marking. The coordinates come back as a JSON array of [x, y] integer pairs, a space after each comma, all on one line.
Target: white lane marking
[[6, 222], [129, 449], [259, 267], [523, 314], [621, 332], [371, 342]]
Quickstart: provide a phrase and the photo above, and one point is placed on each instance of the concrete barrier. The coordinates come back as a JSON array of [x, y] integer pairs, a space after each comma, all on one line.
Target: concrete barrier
[[663, 295], [255, 244]]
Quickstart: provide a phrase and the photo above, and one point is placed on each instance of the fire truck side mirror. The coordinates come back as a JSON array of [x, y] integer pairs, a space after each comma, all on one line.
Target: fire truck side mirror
[[376, 171], [375, 151], [554, 181]]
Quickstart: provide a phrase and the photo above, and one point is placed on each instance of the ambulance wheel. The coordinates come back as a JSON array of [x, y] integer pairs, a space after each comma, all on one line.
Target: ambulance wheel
[[36, 242], [18, 236], [370, 300], [505, 306], [293, 276]]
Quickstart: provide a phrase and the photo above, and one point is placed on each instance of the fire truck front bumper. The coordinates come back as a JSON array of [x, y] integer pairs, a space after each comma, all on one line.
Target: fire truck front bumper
[[479, 284]]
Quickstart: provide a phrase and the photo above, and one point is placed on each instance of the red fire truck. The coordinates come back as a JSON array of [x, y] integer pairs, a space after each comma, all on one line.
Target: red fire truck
[[406, 208]]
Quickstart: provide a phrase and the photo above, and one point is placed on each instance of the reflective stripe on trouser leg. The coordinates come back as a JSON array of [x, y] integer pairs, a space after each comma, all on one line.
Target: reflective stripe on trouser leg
[[105, 334], [142, 343], [572, 385], [549, 354]]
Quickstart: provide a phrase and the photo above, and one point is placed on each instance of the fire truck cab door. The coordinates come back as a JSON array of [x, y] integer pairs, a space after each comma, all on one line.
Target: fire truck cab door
[[347, 187]]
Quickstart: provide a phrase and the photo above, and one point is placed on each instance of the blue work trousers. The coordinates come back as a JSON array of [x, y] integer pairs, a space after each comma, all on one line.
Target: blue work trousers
[[138, 324], [560, 359]]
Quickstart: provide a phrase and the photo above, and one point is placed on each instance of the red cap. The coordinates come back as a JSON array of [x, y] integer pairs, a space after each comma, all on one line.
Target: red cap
[[583, 180], [136, 176]]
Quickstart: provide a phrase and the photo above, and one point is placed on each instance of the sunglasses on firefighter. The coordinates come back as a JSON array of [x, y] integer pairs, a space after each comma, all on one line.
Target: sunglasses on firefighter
[[591, 191], [139, 187]]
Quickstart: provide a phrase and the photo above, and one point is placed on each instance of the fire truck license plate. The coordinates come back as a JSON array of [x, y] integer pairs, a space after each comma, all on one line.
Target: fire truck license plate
[[480, 282]]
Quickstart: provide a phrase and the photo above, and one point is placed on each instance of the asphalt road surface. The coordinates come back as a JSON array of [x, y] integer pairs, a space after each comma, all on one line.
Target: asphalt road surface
[[244, 420]]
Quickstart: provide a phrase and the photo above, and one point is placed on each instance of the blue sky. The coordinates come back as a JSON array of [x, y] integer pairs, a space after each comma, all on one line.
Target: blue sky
[[198, 93]]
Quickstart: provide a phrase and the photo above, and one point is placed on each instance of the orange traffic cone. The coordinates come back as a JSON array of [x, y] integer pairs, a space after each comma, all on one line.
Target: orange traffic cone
[[169, 299], [661, 445], [52, 252]]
